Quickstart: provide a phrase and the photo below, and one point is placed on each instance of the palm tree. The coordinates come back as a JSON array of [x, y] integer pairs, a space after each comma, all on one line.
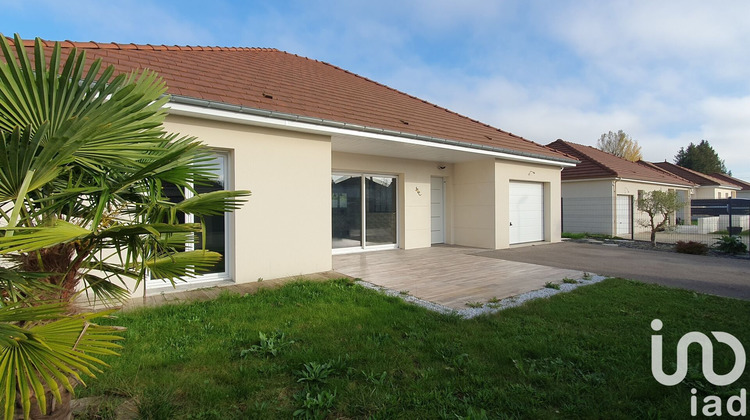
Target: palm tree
[[83, 162]]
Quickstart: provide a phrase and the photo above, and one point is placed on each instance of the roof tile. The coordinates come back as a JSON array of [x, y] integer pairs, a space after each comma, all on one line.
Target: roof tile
[[732, 180], [300, 86], [599, 164], [693, 176]]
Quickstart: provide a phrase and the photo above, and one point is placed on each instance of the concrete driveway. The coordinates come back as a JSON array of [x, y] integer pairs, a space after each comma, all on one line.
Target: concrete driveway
[[717, 276]]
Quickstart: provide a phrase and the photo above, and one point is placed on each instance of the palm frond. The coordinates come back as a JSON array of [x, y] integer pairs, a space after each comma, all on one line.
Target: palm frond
[[213, 203], [28, 239], [47, 354], [182, 264], [24, 286]]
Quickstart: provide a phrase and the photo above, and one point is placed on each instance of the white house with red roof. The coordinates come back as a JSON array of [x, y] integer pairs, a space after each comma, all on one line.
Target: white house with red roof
[[339, 163], [599, 194], [744, 186], [707, 186]]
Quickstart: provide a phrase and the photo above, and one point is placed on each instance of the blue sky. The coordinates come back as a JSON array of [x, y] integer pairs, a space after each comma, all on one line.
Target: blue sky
[[668, 73]]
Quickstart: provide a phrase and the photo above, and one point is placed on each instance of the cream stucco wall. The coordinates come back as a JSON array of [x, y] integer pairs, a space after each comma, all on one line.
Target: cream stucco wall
[[474, 203], [413, 192], [481, 207], [284, 229], [708, 193]]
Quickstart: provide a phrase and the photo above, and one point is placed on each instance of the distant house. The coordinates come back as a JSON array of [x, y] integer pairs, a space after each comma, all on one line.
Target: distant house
[[340, 163], [599, 194], [707, 186], [744, 192]]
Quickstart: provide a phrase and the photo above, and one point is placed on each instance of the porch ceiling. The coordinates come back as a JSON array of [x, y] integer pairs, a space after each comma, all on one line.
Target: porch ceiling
[[388, 148]]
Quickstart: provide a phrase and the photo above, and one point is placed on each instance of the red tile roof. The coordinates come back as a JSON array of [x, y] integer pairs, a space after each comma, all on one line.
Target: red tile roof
[[693, 176], [273, 80], [598, 164], [732, 180]]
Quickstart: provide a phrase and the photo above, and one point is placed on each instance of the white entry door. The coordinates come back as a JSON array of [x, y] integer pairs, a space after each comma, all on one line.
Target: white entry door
[[526, 202], [437, 210], [624, 211]]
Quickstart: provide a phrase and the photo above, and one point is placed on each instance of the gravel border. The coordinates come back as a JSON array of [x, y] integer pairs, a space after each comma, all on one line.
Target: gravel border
[[487, 308], [660, 247]]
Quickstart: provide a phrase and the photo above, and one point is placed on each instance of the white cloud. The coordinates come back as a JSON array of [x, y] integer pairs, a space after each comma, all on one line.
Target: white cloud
[[668, 73], [727, 128]]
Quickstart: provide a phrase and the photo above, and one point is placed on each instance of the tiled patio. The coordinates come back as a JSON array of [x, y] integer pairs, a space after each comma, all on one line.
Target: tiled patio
[[446, 275], [449, 276]]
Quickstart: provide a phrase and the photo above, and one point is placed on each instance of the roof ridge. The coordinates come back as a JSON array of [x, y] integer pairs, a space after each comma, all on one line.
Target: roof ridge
[[93, 45], [593, 160], [696, 173], [662, 170], [729, 178]]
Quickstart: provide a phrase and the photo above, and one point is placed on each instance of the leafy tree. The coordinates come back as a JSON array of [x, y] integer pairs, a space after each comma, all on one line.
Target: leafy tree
[[659, 206], [621, 145], [83, 159], [702, 158]]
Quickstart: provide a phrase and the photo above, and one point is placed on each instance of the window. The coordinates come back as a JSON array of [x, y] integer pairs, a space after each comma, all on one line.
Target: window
[[217, 227]]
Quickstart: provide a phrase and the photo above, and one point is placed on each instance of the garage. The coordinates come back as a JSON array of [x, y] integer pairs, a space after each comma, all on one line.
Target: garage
[[526, 201]]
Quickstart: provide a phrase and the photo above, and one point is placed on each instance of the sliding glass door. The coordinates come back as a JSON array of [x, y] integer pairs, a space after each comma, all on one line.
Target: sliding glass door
[[364, 211]]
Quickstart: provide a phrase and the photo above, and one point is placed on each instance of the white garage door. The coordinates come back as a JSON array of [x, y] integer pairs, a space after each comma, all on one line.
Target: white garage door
[[526, 212]]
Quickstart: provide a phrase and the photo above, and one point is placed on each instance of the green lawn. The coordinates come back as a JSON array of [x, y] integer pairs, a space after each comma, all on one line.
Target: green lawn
[[349, 352]]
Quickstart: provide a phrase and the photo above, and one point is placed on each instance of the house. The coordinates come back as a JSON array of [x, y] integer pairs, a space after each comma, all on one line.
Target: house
[[744, 192], [340, 163], [599, 194], [708, 186]]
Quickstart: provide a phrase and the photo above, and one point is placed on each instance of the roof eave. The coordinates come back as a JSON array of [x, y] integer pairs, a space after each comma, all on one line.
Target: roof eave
[[222, 106]]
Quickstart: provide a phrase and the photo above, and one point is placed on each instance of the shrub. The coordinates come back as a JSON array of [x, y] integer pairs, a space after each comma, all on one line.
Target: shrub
[[270, 344], [691, 247], [315, 407], [730, 245], [315, 373]]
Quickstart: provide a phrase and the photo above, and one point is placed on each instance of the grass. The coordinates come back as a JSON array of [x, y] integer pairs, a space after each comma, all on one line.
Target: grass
[[349, 352]]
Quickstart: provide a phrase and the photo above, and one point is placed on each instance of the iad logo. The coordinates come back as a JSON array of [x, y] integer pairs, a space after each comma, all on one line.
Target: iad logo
[[712, 405]]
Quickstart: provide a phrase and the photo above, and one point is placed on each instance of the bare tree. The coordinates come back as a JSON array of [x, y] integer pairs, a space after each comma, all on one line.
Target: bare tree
[[620, 144]]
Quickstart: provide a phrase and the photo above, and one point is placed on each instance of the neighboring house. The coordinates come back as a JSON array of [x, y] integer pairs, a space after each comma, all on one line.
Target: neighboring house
[[599, 195], [744, 192], [339, 163], [708, 187]]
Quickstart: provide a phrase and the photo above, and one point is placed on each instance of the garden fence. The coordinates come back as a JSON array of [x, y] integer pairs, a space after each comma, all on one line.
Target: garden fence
[[706, 223]]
